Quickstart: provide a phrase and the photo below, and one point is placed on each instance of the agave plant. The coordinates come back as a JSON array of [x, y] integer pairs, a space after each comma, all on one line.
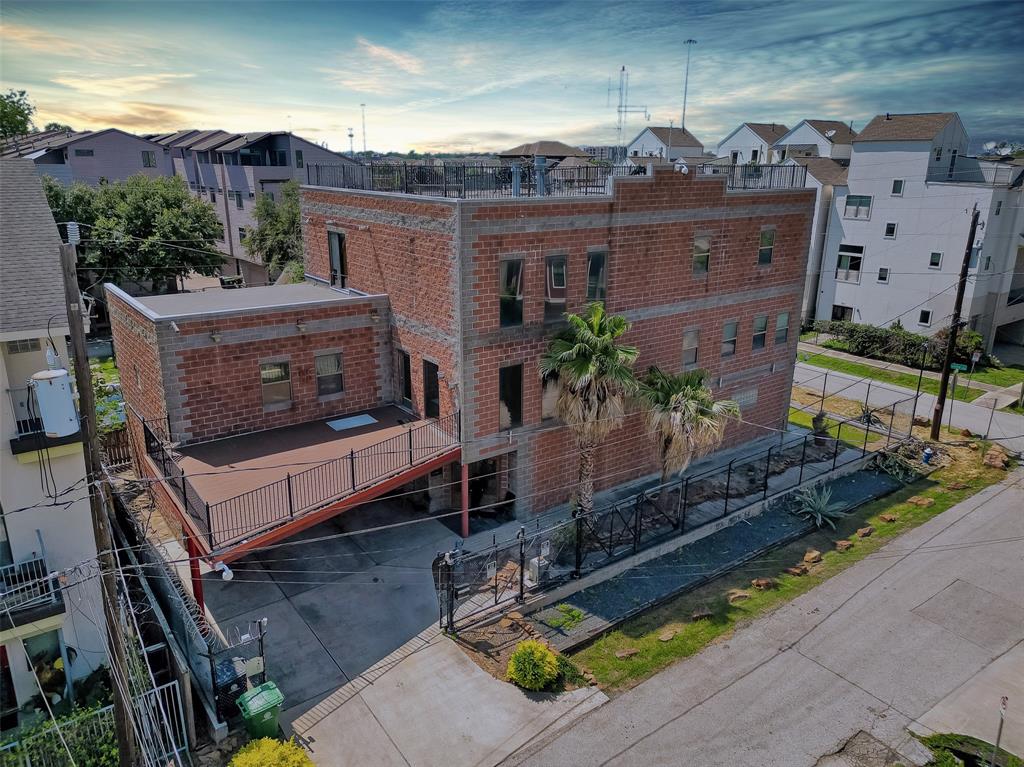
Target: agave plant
[[816, 504]]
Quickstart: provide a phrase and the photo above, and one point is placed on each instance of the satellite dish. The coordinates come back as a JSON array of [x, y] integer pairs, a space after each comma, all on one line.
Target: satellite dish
[[988, 146], [830, 133]]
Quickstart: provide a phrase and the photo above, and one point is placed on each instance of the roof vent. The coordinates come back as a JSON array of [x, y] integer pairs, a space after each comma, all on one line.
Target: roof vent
[[887, 116], [830, 133]]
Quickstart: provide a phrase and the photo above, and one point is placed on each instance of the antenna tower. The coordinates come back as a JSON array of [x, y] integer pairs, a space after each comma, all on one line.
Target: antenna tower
[[363, 107], [624, 108]]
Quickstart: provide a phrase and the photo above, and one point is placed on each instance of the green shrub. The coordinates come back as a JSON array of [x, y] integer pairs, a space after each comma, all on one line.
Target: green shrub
[[896, 344], [815, 504], [533, 666], [267, 752]]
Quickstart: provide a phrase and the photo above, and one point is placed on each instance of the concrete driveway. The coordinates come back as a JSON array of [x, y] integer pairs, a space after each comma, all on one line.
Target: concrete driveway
[[334, 607], [926, 630]]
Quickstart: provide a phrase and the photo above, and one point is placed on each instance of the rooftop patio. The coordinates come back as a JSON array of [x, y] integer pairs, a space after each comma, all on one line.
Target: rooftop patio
[[237, 487]]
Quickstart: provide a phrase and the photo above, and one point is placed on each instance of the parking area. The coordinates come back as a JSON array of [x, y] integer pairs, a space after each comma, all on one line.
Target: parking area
[[336, 600]]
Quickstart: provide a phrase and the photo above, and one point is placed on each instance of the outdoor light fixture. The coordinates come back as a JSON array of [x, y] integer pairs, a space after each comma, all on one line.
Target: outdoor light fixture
[[224, 570], [215, 337], [301, 326]]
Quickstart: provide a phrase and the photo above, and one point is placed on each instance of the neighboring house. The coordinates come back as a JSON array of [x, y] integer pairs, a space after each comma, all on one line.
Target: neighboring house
[[667, 143], [52, 628], [823, 175], [552, 150], [751, 143], [231, 169], [898, 229], [816, 138], [90, 157]]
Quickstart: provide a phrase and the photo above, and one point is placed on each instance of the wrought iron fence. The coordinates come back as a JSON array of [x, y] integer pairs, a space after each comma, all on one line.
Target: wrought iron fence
[[757, 176], [174, 478], [472, 586], [27, 583]]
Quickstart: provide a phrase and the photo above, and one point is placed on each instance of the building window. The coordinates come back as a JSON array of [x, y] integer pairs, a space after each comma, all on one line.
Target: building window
[[510, 292], [999, 207], [849, 262], [276, 380], [149, 159], [298, 159], [213, 196], [510, 395], [934, 260], [23, 345], [84, 153], [701, 254], [988, 263], [328, 374], [691, 344], [760, 332], [842, 313], [734, 157], [883, 274], [238, 200], [890, 231], [549, 397], [857, 206], [597, 276], [764, 252], [241, 233], [753, 155], [938, 153], [405, 376], [554, 288], [338, 259], [897, 187], [729, 331], [220, 237], [925, 317], [782, 328], [746, 399]]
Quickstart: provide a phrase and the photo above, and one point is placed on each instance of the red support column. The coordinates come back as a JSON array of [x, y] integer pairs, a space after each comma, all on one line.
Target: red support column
[[193, 568], [465, 500]]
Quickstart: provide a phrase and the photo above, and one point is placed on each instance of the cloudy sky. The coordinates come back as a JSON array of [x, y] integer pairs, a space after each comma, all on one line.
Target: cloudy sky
[[465, 76]]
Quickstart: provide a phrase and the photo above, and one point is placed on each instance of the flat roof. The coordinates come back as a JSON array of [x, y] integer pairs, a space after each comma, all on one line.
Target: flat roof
[[218, 300]]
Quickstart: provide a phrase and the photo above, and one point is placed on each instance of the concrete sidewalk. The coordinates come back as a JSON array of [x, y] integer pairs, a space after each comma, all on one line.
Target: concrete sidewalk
[[876, 648]]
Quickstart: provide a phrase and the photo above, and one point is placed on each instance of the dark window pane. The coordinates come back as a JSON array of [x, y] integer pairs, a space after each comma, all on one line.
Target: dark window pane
[[328, 374], [510, 395], [597, 276], [701, 254], [760, 332], [729, 339], [554, 288], [338, 259], [510, 292]]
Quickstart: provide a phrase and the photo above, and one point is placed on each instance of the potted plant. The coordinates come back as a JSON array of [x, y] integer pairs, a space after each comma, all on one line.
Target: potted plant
[[819, 427]]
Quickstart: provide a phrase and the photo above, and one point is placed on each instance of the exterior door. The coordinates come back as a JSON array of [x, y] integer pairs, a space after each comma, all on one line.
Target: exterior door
[[431, 391], [405, 372]]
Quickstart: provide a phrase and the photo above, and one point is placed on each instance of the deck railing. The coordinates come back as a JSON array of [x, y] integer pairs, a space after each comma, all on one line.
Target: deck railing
[[757, 176], [27, 583]]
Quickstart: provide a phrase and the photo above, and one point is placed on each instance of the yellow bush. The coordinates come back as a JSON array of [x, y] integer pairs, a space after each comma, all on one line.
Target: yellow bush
[[267, 752], [533, 666]]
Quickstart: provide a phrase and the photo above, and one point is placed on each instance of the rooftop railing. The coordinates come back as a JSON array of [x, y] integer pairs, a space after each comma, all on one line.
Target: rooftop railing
[[757, 177]]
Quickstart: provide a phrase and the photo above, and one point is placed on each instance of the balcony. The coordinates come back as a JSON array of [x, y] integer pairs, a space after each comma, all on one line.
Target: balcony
[[235, 488], [27, 591]]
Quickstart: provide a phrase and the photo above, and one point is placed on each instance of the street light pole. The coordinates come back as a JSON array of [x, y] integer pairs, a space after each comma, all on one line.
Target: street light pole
[[689, 43], [920, 376], [954, 326]]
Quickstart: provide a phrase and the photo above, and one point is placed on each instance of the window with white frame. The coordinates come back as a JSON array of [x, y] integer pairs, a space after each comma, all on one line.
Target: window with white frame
[[890, 230], [729, 333], [148, 159], [23, 345], [935, 260], [842, 313], [782, 328], [554, 288], [701, 254], [766, 248], [691, 343], [897, 187], [328, 374], [276, 381], [883, 274], [857, 206], [925, 317], [848, 264], [760, 336]]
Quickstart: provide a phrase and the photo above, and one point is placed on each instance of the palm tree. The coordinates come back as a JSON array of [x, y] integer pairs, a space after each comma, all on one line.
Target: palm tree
[[686, 419], [594, 374]]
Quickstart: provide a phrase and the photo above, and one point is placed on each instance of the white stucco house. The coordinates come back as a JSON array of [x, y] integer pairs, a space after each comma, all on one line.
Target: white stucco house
[[668, 143], [751, 143], [898, 228], [816, 138]]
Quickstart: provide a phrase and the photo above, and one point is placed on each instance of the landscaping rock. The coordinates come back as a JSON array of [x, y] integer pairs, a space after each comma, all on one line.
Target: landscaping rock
[[956, 486], [920, 420], [629, 652], [966, 433], [889, 517], [797, 570], [972, 445], [865, 532], [844, 545], [812, 557], [737, 595], [703, 614], [996, 457], [667, 636], [763, 584], [917, 500]]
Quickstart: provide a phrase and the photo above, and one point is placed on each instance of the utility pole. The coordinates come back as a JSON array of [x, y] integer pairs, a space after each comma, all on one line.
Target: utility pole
[[686, 82], [351, 146], [363, 107], [954, 326], [100, 523]]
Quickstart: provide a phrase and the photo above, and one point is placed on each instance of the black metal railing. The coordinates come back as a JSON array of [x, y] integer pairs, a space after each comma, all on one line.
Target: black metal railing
[[757, 176], [471, 181], [540, 559], [276, 502]]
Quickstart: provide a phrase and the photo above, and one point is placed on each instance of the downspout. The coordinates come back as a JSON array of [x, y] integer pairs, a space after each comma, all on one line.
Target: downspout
[[824, 208], [227, 219]]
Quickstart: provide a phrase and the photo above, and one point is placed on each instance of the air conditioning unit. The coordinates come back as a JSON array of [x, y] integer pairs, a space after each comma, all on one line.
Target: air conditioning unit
[[537, 570]]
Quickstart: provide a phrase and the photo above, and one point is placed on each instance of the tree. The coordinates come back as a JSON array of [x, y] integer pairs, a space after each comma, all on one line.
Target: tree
[[594, 374], [15, 114], [58, 126], [685, 418], [277, 237], [141, 229]]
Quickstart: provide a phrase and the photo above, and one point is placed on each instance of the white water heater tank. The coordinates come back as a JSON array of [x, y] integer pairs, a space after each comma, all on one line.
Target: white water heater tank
[[55, 402]]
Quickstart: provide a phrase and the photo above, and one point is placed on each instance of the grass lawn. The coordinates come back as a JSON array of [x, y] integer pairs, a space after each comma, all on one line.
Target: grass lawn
[[1005, 376], [642, 632], [851, 435], [906, 380], [1014, 408]]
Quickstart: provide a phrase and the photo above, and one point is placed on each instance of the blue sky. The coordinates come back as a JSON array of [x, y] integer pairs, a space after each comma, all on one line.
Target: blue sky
[[467, 76]]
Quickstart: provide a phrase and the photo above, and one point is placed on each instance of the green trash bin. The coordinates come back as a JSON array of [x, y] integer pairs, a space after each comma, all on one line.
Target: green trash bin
[[260, 708]]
